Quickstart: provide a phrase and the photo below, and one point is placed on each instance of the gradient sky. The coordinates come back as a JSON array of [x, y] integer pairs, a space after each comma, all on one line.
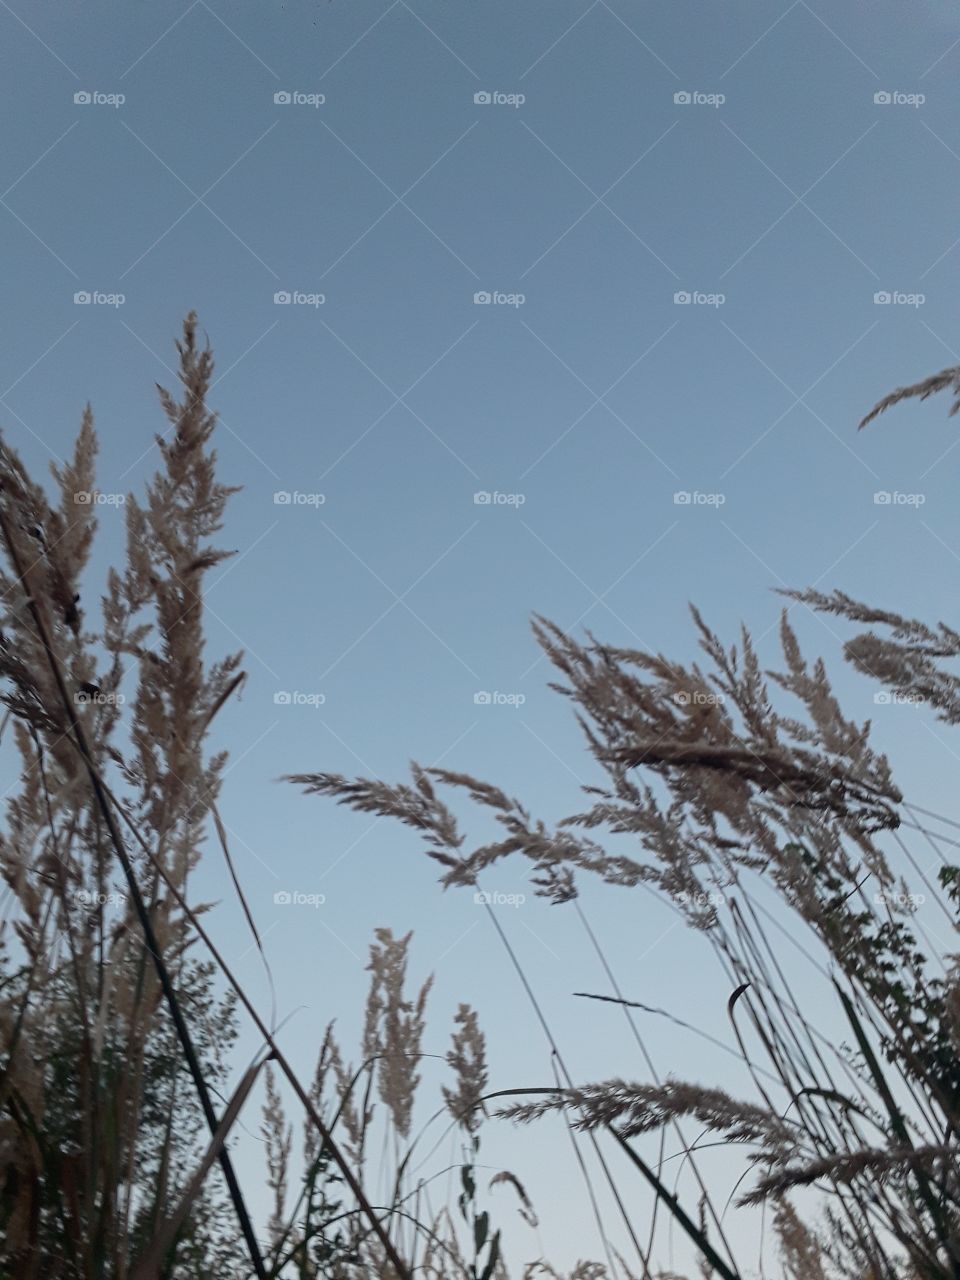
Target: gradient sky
[[598, 199]]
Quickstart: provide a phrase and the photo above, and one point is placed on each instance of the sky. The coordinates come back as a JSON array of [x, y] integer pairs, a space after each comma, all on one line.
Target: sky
[[566, 308]]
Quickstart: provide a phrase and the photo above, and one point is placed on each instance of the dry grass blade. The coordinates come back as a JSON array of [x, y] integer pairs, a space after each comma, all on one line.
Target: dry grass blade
[[154, 1260], [153, 946], [921, 390]]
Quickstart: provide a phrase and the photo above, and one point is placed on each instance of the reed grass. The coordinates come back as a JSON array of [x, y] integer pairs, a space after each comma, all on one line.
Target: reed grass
[[118, 1014]]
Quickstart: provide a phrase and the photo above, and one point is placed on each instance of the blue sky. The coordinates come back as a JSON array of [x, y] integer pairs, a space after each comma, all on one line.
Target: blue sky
[[781, 211]]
